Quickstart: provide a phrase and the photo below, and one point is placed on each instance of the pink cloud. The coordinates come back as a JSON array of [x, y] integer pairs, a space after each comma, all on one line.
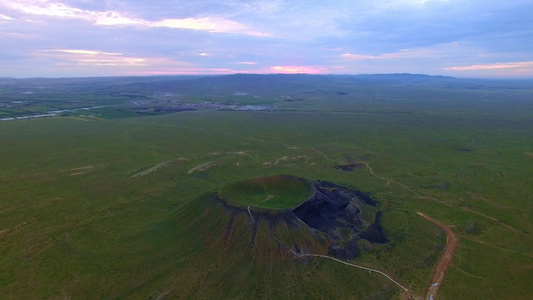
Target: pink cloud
[[298, 69], [526, 65], [210, 24], [101, 60], [91, 57], [115, 18]]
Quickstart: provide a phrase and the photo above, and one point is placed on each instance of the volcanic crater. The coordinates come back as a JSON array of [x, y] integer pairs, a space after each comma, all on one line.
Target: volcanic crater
[[334, 213]]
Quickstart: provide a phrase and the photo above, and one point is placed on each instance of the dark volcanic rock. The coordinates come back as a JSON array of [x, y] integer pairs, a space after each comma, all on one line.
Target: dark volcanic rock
[[348, 167], [374, 233], [349, 251], [346, 192], [321, 212], [334, 209]]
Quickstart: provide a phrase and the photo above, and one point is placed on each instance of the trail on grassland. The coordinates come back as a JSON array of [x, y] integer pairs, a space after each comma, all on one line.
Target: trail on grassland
[[368, 168], [451, 241]]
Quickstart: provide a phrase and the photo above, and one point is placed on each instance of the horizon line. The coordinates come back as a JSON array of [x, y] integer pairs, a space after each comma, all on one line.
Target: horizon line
[[265, 74]]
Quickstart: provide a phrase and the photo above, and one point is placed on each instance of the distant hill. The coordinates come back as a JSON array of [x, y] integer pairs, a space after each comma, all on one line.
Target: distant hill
[[405, 76], [249, 84]]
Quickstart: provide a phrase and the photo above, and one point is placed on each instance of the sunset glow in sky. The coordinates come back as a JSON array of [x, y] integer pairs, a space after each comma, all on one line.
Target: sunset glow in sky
[[73, 38]]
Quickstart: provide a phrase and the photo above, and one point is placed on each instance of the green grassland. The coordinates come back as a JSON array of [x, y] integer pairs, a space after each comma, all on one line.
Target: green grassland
[[114, 206]]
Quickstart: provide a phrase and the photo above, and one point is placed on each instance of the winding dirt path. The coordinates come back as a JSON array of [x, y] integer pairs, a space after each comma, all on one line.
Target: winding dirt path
[[420, 195], [356, 266], [492, 219], [445, 258]]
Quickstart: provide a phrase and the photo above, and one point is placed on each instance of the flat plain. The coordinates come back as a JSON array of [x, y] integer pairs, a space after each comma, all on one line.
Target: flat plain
[[113, 201]]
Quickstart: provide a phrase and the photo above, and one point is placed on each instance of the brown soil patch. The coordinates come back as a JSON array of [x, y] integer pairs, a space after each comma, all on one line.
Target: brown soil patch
[[445, 258]]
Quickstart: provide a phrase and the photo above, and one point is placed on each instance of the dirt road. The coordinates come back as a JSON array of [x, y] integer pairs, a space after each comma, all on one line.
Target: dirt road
[[444, 261]]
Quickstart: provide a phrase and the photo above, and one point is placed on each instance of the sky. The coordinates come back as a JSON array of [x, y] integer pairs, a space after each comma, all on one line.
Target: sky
[[83, 38]]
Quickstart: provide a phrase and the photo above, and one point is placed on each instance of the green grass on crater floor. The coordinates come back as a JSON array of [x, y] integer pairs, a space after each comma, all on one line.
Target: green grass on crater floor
[[274, 192]]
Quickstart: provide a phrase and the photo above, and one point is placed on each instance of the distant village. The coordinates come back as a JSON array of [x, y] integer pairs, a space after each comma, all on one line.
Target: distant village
[[159, 102], [162, 103]]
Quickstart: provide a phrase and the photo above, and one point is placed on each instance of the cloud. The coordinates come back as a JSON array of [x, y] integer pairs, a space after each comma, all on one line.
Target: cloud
[[114, 18], [84, 52], [91, 57], [523, 66], [187, 71], [409, 3], [5, 18], [474, 37], [351, 56], [210, 24], [402, 53], [68, 61], [59, 10], [298, 70], [387, 26]]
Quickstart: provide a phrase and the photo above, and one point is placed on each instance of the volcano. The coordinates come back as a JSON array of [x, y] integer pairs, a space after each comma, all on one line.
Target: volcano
[[331, 213]]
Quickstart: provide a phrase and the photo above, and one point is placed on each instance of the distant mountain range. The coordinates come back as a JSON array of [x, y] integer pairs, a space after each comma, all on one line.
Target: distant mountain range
[[260, 84], [242, 75]]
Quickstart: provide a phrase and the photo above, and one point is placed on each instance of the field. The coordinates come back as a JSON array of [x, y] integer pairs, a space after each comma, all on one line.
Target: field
[[112, 202]]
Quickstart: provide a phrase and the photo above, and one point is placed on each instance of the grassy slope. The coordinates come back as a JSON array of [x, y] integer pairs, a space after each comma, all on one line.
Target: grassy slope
[[102, 233]]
